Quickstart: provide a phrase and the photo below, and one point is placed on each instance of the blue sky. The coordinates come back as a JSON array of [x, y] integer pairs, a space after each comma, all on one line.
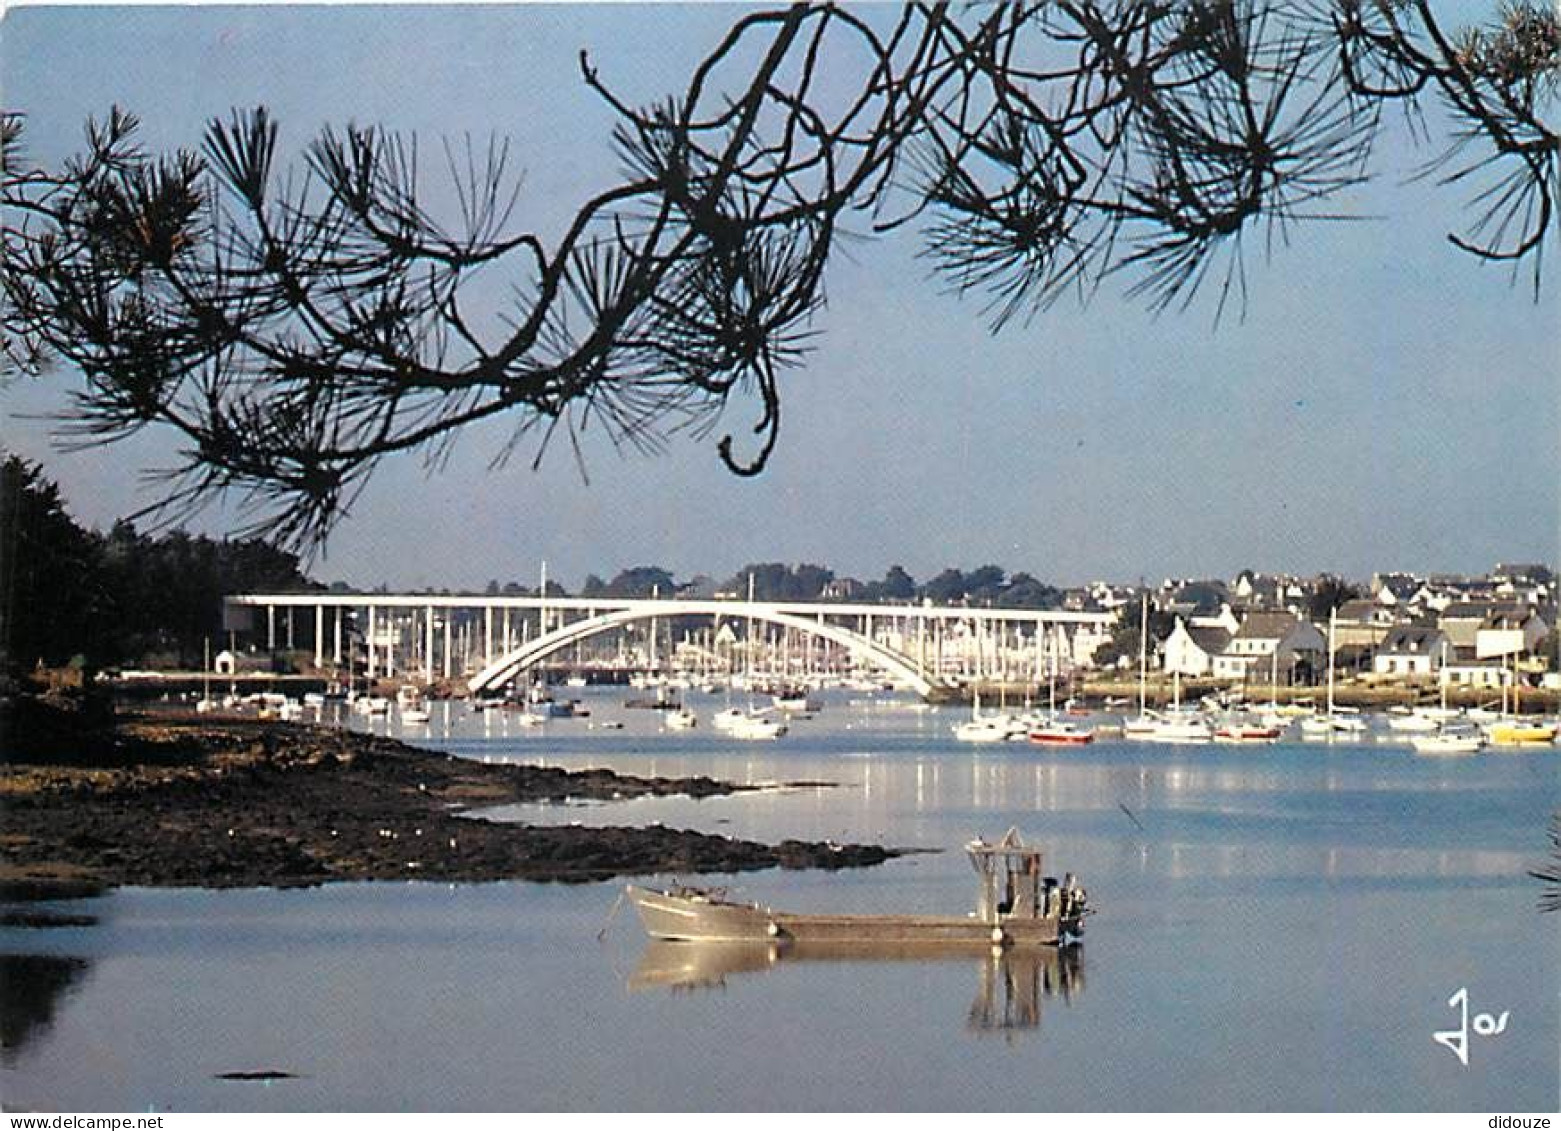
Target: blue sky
[[1385, 403]]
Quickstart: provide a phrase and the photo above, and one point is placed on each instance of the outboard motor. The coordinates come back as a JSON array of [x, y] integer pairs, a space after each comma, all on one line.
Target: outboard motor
[[1074, 900]]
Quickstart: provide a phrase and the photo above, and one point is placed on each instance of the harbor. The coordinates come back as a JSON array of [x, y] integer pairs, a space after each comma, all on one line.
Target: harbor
[[718, 559], [1248, 899]]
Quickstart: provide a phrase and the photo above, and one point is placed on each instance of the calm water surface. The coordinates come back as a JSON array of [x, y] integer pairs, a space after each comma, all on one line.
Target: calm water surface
[[1278, 928]]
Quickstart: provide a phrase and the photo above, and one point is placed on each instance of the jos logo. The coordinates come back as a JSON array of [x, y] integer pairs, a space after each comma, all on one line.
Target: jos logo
[[1485, 1025]]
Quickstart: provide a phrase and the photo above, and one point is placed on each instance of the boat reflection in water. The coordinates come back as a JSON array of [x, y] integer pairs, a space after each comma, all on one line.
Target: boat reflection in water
[[1012, 982]]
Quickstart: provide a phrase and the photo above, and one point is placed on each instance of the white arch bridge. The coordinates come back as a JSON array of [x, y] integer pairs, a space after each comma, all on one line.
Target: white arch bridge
[[492, 639]]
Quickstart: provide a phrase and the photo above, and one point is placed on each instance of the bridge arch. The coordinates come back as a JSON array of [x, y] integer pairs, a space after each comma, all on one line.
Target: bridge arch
[[512, 663]]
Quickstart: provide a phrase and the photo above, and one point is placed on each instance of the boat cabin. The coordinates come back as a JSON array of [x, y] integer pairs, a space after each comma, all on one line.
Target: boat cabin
[[1012, 886]]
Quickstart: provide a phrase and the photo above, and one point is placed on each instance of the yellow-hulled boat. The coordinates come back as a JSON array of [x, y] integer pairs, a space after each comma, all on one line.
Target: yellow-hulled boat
[[1520, 732]]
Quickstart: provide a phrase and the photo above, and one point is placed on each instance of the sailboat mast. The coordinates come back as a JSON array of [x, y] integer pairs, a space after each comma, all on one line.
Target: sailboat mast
[[1052, 678], [1143, 657], [1333, 616], [1444, 676], [750, 631]]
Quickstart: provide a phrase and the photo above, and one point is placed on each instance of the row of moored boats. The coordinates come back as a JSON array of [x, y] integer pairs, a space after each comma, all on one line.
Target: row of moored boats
[[1429, 730]]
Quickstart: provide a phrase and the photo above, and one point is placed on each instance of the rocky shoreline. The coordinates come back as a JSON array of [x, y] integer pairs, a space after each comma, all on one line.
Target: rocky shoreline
[[181, 803]]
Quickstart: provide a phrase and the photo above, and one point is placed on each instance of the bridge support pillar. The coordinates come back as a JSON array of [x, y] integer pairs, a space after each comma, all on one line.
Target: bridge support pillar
[[319, 637], [428, 645], [369, 640]]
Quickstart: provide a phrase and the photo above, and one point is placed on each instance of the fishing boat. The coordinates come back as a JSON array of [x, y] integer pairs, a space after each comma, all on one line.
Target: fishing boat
[[1016, 906]]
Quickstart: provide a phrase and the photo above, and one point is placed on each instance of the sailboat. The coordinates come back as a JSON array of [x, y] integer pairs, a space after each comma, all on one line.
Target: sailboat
[[1335, 723], [1244, 728], [1180, 725], [1424, 721], [1449, 740], [1142, 729], [1512, 729], [987, 728], [1053, 729]]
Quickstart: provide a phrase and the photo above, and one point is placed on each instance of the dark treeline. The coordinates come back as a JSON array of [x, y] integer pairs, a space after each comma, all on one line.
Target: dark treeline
[[777, 581], [117, 598]]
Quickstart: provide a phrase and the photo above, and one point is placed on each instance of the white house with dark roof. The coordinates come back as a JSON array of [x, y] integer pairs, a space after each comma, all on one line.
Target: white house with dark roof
[[1393, 588], [1412, 650], [1266, 641], [1225, 619], [1191, 651]]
